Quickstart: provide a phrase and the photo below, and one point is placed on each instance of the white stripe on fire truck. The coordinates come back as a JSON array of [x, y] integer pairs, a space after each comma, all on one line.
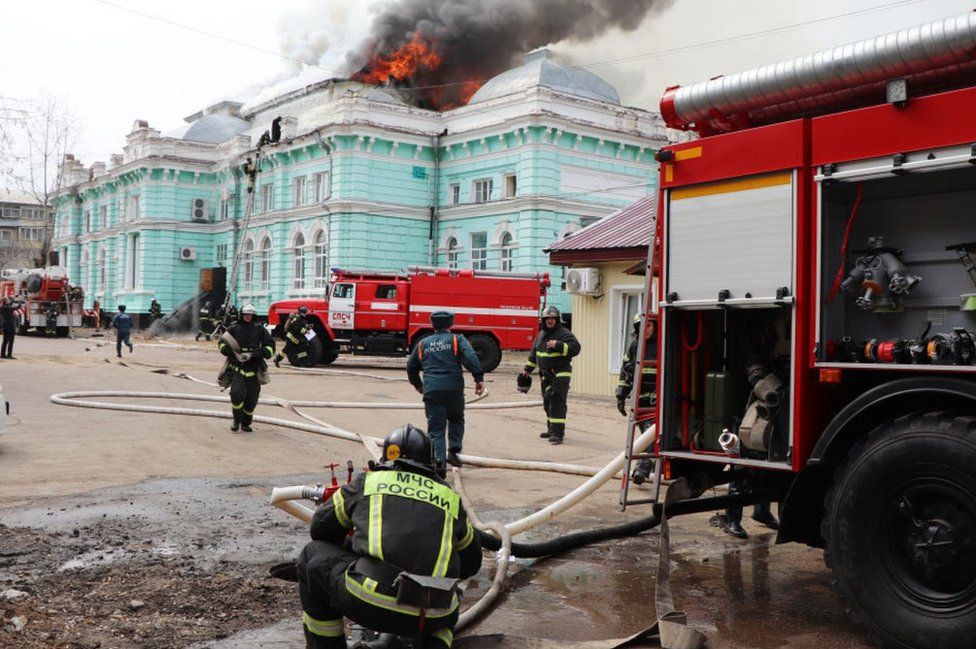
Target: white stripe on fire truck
[[473, 311]]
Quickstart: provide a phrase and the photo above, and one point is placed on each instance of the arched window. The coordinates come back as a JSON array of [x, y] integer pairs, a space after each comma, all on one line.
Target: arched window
[[100, 286], [452, 253], [266, 264], [249, 265], [321, 259], [507, 251], [298, 265]]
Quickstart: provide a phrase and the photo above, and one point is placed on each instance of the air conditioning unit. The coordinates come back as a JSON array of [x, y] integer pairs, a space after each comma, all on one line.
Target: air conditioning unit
[[188, 254], [585, 281], [200, 213]]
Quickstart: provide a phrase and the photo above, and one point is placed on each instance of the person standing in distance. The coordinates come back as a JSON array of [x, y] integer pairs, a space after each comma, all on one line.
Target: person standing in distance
[[552, 353], [440, 357], [122, 322], [8, 323], [246, 345]]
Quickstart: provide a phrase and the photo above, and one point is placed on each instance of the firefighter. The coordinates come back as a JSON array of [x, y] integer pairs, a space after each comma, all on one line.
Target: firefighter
[[8, 323], [625, 385], [155, 311], [246, 345], [552, 353], [405, 520], [51, 321], [207, 323], [440, 357], [122, 322], [295, 329]]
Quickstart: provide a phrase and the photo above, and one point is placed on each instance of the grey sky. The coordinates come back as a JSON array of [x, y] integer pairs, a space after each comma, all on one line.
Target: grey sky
[[113, 66]]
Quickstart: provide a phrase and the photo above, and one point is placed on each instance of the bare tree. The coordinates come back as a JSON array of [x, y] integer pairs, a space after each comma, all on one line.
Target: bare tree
[[34, 145]]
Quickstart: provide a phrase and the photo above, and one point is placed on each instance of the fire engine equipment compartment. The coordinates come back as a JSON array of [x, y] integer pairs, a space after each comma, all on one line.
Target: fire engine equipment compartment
[[892, 288]]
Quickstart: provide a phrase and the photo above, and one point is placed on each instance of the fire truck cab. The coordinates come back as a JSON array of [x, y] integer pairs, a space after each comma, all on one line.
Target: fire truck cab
[[387, 313], [817, 343]]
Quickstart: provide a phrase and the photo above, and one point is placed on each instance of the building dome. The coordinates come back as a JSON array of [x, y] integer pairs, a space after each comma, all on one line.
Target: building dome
[[213, 128], [539, 70]]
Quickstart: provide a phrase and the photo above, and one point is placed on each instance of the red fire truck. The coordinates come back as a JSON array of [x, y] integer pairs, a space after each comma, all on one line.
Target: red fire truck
[[814, 257], [40, 290], [387, 313]]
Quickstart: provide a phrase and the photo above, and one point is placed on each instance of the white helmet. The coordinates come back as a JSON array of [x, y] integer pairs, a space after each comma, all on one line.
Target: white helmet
[[249, 308]]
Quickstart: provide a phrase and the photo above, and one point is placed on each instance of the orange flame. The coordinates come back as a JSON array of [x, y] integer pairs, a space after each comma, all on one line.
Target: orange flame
[[417, 55]]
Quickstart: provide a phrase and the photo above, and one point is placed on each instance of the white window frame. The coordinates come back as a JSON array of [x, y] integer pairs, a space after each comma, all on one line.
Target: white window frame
[[88, 221], [266, 253], [482, 190], [267, 197], [224, 209], [298, 263], [479, 254], [100, 285], [620, 330], [506, 252], [248, 260], [453, 249], [322, 186], [320, 248], [220, 253], [511, 185], [103, 217], [132, 210], [299, 191], [455, 193]]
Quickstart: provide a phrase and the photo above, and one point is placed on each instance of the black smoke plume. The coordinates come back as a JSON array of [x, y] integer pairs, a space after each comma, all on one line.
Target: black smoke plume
[[478, 39]]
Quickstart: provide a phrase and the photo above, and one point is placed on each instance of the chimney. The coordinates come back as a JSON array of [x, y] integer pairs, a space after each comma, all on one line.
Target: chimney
[[289, 127], [97, 169], [116, 160]]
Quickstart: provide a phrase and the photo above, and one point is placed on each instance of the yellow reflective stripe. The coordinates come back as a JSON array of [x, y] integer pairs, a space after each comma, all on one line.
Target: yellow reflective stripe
[[623, 384], [414, 486], [376, 526], [221, 345], [557, 421], [549, 354], [291, 338], [246, 412], [444, 635], [447, 546], [339, 504], [648, 370], [370, 596], [563, 374], [530, 364], [565, 349], [237, 406], [270, 349], [324, 628], [468, 537]]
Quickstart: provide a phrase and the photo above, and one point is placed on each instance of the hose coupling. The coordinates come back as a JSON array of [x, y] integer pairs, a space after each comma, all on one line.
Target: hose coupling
[[729, 442]]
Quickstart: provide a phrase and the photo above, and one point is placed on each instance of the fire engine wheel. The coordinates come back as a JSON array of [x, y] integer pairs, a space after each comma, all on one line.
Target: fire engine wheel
[[900, 531], [62, 332], [488, 351], [329, 354], [311, 358]]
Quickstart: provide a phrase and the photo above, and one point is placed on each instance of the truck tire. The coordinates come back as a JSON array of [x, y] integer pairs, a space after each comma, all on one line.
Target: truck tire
[[488, 351], [900, 531], [62, 332], [311, 359], [330, 352]]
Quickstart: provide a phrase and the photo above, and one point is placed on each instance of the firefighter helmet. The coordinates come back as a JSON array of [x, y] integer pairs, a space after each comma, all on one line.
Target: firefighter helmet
[[303, 310], [441, 319], [549, 312], [410, 445], [637, 320], [249, 308], [523, 382]]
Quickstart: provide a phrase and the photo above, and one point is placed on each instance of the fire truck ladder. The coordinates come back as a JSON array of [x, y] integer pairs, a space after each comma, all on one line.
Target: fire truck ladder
[[642, 416]]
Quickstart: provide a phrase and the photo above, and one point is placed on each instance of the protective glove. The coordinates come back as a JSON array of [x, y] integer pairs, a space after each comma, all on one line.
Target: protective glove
[[243, 357], [622, 406], [622, 392]]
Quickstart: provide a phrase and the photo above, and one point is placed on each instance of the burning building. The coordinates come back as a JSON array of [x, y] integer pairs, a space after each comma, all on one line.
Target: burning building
[[478, 174]]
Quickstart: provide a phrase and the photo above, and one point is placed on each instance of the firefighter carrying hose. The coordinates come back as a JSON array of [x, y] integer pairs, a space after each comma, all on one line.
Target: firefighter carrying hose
[[552, 353], [397, 573], [246, 346], [625, 385], [295, 329]]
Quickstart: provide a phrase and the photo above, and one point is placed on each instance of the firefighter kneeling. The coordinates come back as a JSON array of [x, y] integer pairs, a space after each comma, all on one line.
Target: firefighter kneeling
[[295, 329], [246, 346], [552, 353], [398, 571]]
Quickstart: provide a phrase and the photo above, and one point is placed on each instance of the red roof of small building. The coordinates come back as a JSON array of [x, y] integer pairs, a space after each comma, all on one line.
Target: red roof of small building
[[621, 236]]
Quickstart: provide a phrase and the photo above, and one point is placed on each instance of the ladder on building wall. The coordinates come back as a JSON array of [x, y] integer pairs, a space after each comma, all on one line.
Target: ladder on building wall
[[245, 225], [640, 417]]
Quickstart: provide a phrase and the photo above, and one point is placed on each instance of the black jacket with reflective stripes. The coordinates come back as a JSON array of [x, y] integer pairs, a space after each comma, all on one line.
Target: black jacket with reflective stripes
[[629, 366], [252, 338], [404, 517], [557, 360], [295, 329]]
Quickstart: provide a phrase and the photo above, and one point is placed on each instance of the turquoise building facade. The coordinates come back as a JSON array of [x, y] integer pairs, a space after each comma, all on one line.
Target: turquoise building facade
[[360, 178]]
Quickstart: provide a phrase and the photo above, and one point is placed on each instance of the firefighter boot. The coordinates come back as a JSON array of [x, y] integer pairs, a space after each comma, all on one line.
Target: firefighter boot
[[313, 641], [642, 473], [544, 434], [762, 515], [237, 423], [734, 528], [277, 360], [453, 459]]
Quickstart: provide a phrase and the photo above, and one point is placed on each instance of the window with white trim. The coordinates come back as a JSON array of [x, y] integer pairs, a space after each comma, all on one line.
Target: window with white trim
[[224, 209], [249, 265], [507, 252], [511, 185], [102, 217], [482, 190], [100, 285], [321, 259], [455, 194], [298, 264], [453, 253], [6, 234], [299, 191], [88, 223], [479, 251], [84, 270], [267, 197], [132, 210], [221, 254], [322, 188], [266, 264], [628, 302]]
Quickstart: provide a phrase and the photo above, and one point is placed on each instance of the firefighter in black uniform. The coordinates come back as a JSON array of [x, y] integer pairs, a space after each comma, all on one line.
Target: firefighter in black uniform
[[625, 385], [404, 520], [552, 353], [51, 320], [155, 311], [207, 323], [246, 346], [296, 326]]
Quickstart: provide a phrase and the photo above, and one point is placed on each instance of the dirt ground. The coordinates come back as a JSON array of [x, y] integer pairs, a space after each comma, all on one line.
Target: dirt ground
[[126, 529]]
